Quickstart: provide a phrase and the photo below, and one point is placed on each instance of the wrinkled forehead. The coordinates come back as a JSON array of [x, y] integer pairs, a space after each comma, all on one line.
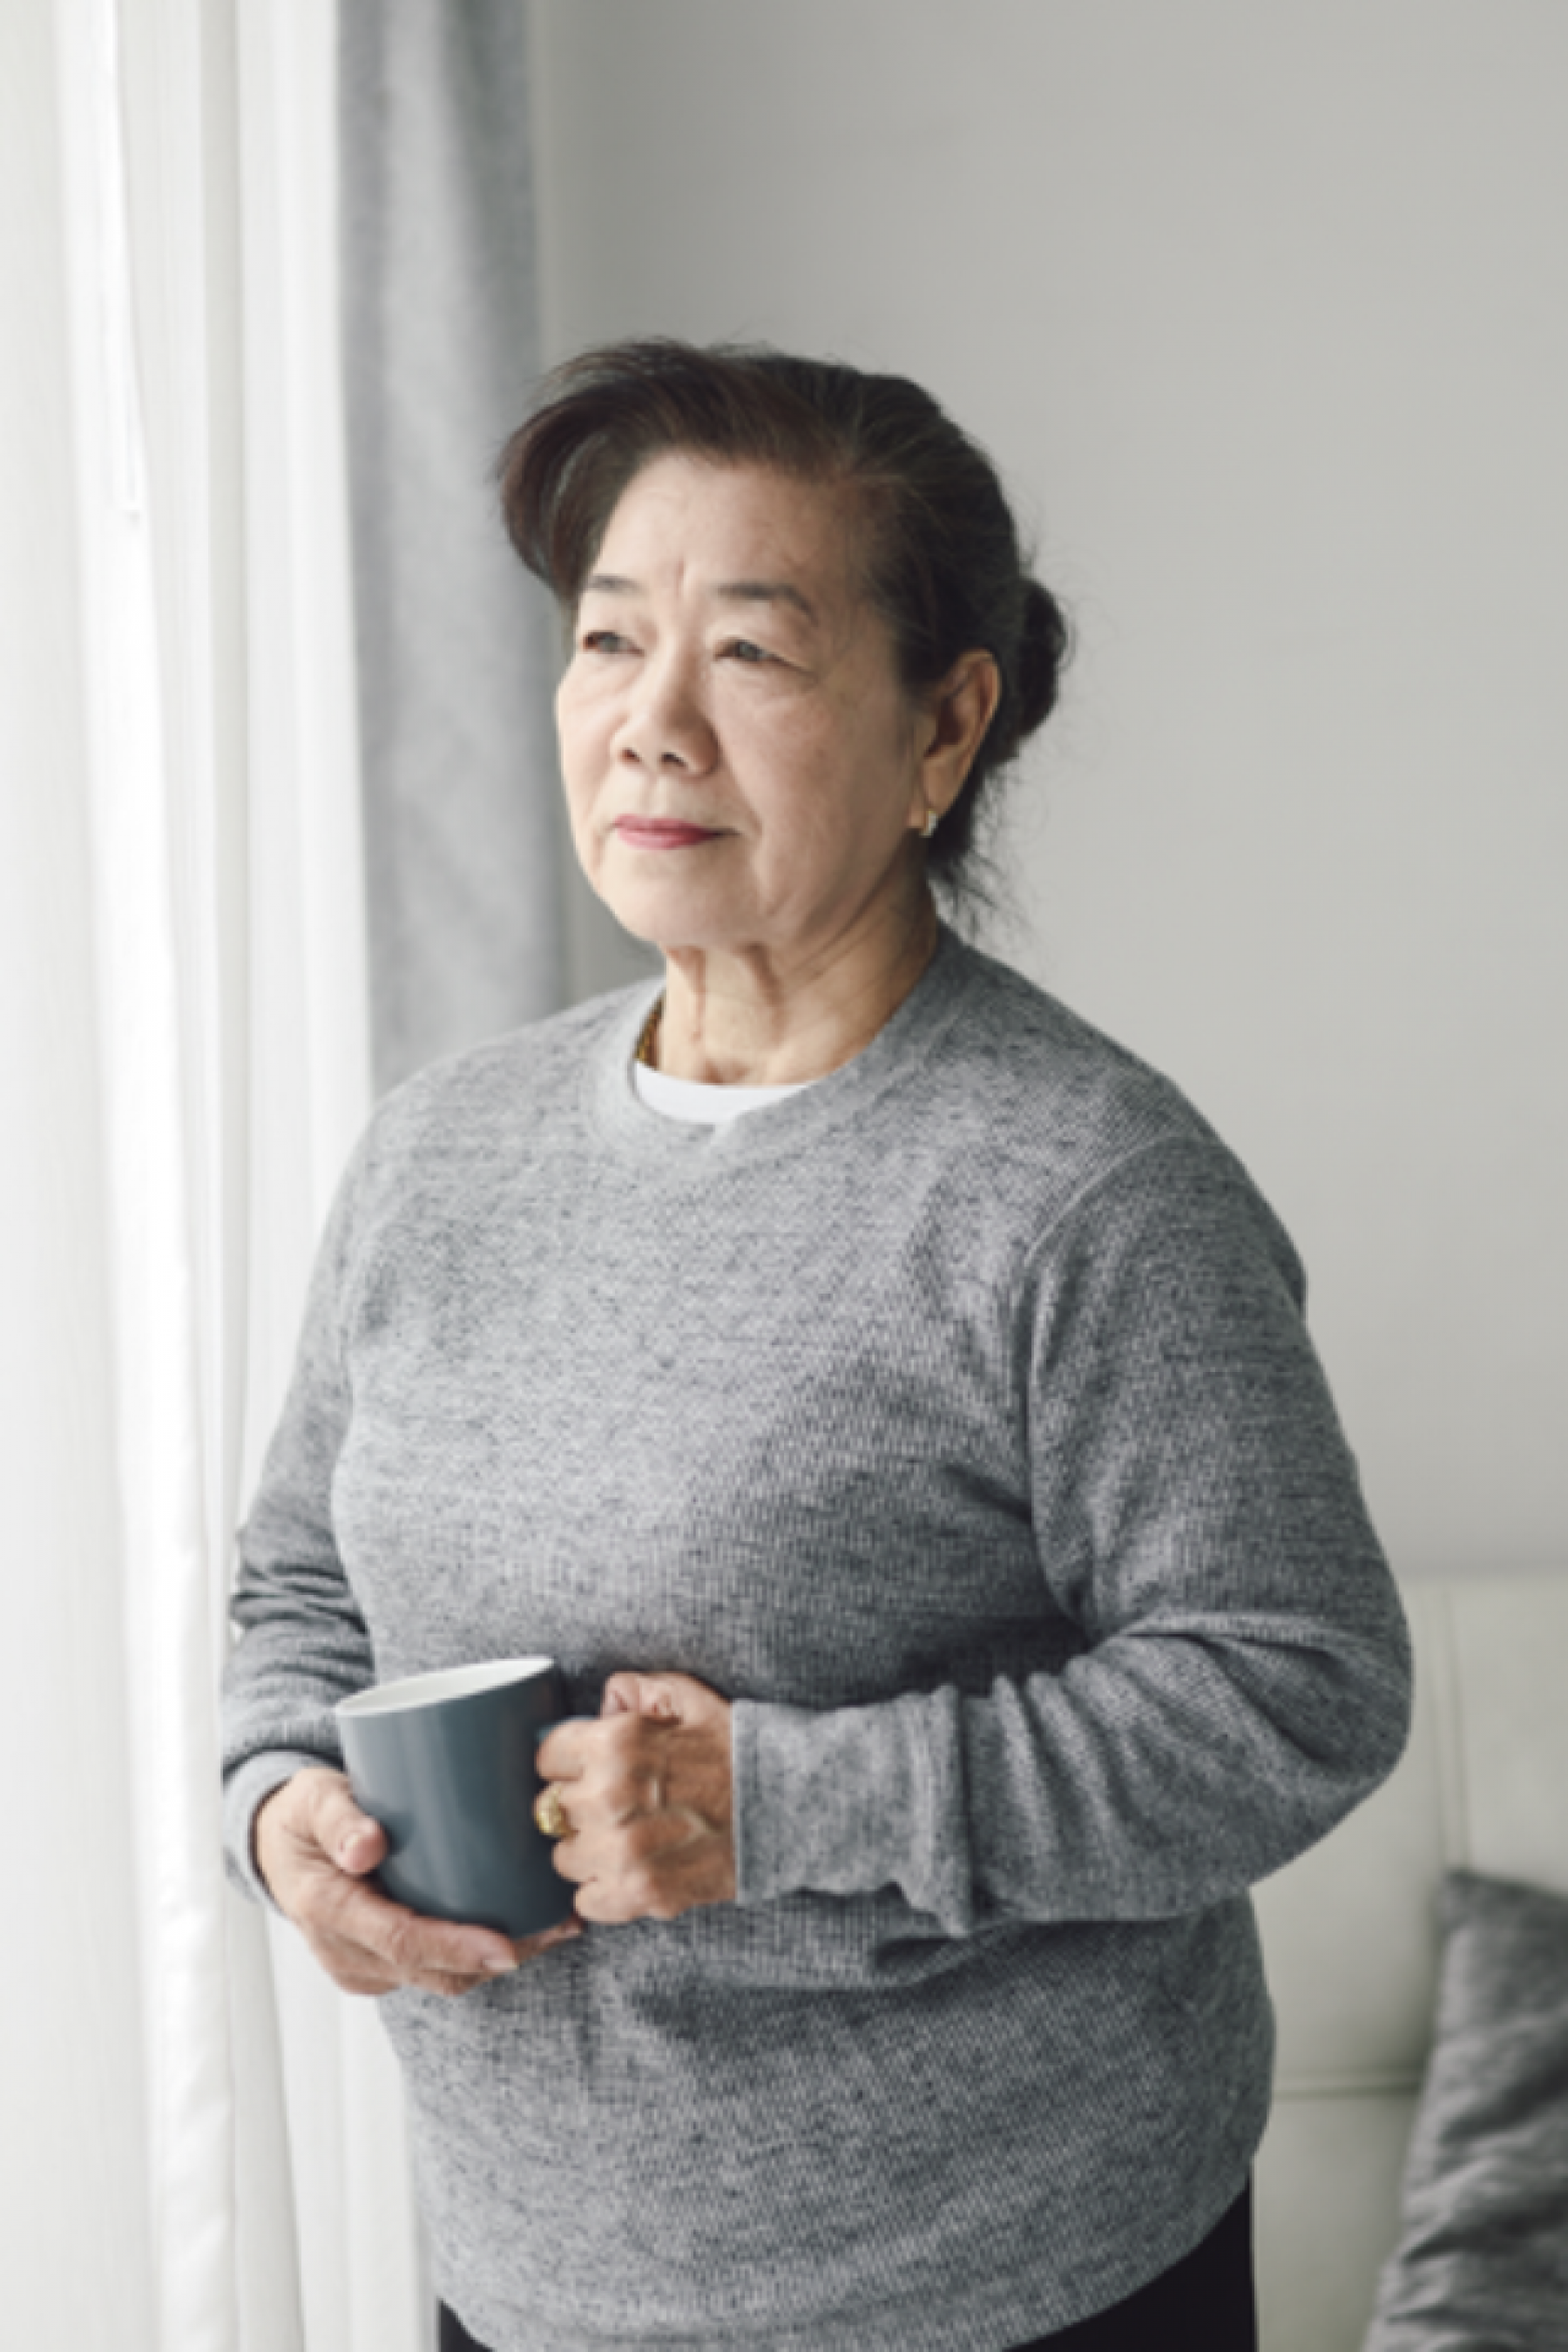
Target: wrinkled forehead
[[687, 526]]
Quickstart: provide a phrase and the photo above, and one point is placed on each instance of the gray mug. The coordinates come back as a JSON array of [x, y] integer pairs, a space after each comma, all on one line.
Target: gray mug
[[445, 1762]]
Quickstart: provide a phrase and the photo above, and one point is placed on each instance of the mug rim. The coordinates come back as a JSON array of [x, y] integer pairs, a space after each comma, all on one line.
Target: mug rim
[[442, 1682]]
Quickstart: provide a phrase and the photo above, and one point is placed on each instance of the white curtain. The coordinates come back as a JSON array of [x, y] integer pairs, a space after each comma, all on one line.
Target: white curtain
[[204, 2147]]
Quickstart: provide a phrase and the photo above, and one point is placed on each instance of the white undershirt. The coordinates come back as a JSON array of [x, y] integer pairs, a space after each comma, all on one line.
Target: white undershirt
[[694, 1099]]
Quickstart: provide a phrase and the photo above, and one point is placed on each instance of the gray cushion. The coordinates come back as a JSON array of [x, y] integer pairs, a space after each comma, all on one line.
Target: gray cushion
[[1482, 2261]]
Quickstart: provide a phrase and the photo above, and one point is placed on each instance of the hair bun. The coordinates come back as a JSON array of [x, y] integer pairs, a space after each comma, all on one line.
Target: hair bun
[[1045, 646]]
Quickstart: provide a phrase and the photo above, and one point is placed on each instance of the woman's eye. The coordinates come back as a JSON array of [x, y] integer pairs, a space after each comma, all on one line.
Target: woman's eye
[[744, 650], [604, 641]]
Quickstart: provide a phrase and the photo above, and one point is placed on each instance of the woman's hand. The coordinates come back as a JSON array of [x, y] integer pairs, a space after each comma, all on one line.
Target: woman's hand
[[647, 1791], [314, 1848]]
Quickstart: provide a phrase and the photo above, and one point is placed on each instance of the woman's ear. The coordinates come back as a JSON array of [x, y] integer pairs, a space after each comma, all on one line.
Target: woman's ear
[[960, 712]]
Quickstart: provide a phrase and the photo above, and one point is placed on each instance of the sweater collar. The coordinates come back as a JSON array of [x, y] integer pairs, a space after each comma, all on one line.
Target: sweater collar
[[630, 1127]]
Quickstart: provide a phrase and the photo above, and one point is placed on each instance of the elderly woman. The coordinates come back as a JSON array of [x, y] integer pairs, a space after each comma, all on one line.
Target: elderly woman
[[889, 1401]]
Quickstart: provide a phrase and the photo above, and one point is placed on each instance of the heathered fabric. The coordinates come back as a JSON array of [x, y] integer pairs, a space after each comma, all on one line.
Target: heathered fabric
[[1482, 2260], [955, 1418]]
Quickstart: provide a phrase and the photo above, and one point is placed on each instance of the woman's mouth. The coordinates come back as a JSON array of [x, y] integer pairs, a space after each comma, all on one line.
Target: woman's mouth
[[654, 833]]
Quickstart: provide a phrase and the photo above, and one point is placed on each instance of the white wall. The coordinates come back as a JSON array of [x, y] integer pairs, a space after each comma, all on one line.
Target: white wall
[[1262, 312]]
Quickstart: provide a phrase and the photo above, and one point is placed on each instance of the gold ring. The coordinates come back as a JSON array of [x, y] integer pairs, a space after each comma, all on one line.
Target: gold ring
[[550, 1814]]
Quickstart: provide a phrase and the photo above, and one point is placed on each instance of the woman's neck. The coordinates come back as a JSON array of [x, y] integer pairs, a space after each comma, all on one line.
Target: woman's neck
[[754, 1020]]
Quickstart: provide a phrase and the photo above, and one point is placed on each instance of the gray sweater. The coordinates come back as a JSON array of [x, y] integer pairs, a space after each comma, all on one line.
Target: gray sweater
[[955, 1418]]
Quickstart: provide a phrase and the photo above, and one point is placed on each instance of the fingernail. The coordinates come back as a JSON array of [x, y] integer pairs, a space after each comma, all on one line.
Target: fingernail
[[495, 1965]]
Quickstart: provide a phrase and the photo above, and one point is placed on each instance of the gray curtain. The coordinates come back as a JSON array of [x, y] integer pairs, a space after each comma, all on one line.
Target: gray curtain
[[463, 832]]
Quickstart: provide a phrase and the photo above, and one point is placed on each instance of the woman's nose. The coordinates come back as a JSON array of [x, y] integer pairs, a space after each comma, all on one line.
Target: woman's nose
[[666, 725]]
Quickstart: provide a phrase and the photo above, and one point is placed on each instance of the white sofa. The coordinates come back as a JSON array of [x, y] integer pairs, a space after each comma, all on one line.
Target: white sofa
[[1351, 1940]]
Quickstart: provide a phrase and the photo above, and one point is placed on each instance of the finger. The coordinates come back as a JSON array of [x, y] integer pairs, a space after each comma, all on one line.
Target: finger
[[350, 1965], [616, 1900], [410, 1944], [452, 1983], [562, 1756], [362, 1848], [355, 1969], [450, 1988], [529, 1947], [570, 1866], [425, 1980], [353, 1838], [650, 1694]]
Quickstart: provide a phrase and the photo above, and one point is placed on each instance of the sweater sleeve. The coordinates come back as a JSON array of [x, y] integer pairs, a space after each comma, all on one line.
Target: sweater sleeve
[[303, 1643], [1244, 1675]]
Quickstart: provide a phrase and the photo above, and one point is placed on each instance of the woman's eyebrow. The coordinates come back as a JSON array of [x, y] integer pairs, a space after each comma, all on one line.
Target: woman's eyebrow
[[764, 592], [728, 592]]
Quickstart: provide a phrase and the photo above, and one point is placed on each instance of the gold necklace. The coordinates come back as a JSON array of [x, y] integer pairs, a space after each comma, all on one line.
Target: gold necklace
[[649, 1031]]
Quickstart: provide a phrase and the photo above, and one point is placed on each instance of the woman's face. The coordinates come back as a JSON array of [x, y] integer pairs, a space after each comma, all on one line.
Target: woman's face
[[728, 672]]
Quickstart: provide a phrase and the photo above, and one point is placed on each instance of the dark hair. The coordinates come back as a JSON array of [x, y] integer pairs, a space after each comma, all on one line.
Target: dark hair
[[943, 565]]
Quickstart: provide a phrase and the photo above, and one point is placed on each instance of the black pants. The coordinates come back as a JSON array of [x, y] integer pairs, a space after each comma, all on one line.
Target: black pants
[[1204, 2303]]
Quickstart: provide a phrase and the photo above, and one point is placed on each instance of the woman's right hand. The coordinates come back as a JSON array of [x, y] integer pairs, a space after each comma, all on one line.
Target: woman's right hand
[[315, 1848]]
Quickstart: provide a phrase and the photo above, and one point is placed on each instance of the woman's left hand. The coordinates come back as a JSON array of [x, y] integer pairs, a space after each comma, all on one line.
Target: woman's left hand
[[646, 1791]]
